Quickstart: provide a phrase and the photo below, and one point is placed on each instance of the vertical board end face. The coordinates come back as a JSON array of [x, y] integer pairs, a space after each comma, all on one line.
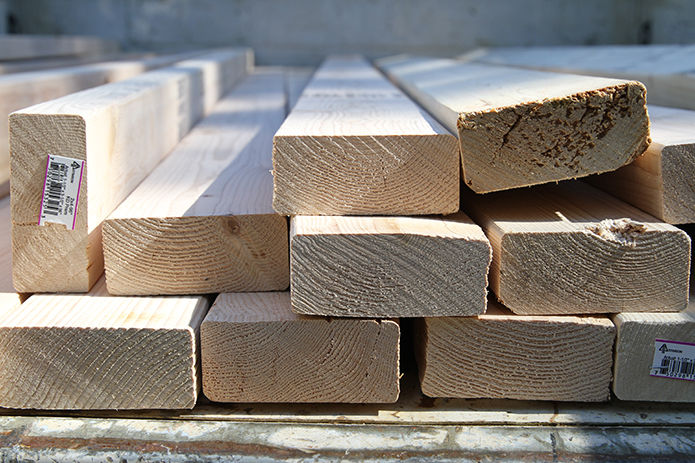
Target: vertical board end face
[[534, 359], [388, 266], [557, 139], [303, 359]]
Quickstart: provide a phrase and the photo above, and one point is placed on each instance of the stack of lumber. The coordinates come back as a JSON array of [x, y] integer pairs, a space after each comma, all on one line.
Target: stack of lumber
[[380, 199]]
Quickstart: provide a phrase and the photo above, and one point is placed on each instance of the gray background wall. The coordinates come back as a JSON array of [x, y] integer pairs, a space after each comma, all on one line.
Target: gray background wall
[[302, 32]]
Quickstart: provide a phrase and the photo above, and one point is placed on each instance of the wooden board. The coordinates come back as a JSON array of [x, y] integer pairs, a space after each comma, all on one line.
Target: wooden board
[[99, 352], [501, 355], [571, 249], [666, 70], [296, 80], [634, 355], [255, 349], [121, 131], [662, 180], [202, 222], [388, 266], [9, 298], [355, 144], [519, 127], [21, 90], [16, 46]]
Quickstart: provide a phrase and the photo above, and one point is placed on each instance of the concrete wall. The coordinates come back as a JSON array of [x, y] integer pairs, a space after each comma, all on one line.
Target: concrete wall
[[302, 32]]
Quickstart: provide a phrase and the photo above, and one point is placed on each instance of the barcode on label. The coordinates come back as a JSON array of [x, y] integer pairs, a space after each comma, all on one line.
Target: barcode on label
[[673, 359], [61, 191]]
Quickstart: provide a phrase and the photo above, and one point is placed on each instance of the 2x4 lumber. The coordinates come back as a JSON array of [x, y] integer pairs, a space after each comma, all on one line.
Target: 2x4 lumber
[[296, 80], [499, 355], [95, 351], [255, 349], [202, 221], [19, 91], [662, 180], [121, 131], [388, 266], [14, 47], [519, 127], [9, 298], [666, 70], [572, 249], [355, 144], [634, 355]]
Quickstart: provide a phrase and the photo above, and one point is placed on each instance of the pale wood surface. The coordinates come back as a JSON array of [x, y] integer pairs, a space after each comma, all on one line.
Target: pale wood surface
[[668, 71], [296, 80], [9, 299], [21, 90], [355, 144], [202, 221], [122, 131], [501, 355], [388, 266], [570, 248], [21, 46], [662, 180], [96, 351], [255, 349], [520, 127], [634, 355]]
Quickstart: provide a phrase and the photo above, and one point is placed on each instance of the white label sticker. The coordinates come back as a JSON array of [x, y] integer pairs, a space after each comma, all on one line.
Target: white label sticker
[[61, 191], [673, 359]]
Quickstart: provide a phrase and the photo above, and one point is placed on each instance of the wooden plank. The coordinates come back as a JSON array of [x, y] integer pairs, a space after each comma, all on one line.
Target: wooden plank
[[662, 180], [41, 46], [571, 249], [21, 90], [121, 131], [202, 222], [501, 355], [255, 349], [388, 266], [519, 127], [634, 355], [99, 352], [666, 70], [355, 144]]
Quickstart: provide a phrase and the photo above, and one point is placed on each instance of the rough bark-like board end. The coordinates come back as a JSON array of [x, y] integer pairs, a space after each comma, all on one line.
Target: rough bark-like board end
[[380, 175], [556, 139]]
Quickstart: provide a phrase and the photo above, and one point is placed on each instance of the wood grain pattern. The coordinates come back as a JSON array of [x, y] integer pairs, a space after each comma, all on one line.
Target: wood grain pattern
[[571, 249], [95, 351], [666, 70], [21, 46], [21, 90], [662, 180], [634, 355], [519, 127], [122, 131], [255, 349], [355, 144], [202, 221], [388, 266], [501, 355]]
